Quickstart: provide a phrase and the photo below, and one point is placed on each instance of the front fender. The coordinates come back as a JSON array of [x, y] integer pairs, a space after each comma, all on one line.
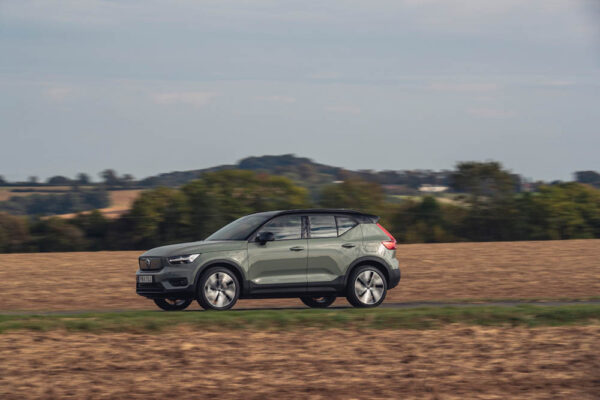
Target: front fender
[[231, 263]]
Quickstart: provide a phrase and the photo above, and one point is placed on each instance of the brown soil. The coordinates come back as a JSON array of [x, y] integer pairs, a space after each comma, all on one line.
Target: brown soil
[[456, 362], [511, 270]]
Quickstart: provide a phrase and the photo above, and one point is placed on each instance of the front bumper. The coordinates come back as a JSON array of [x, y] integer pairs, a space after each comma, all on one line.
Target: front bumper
[[169, 282]]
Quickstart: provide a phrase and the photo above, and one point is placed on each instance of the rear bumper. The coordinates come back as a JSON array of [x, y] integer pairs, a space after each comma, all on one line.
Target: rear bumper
[[394, 278]]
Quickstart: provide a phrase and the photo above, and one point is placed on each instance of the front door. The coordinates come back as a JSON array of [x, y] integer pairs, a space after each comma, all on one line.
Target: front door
[[281, 262]]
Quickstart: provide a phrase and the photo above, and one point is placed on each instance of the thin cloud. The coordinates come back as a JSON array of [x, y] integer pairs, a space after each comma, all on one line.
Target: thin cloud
[[195, 99], [344, 109], [58, 93], [463, 87], [495, 113], [277, 99], [559, 83]]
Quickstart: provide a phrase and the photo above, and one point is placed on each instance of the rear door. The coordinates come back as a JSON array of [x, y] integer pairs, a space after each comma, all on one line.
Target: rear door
[[282, 261], [333, 243]]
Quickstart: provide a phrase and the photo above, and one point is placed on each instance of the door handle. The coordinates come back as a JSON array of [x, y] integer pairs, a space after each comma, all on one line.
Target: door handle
[[297, 248], [348, 245]]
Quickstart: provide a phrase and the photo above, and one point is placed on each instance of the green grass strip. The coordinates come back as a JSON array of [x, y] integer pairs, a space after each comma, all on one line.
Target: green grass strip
[[380, 318]]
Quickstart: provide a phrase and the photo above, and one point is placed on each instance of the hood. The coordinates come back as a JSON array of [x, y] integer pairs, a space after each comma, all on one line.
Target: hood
[[182, 249]]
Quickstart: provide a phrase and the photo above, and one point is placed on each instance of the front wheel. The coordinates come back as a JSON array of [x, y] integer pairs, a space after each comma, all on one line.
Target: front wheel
[[172, 304], [318, 302], [367, 287], [218, 289]]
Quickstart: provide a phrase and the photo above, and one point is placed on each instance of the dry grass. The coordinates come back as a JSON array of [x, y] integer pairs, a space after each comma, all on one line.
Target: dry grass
[[517, 270], [455, 362], [120, 203], [120, 200]]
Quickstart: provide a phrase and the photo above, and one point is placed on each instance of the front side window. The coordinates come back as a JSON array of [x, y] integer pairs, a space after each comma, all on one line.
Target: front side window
[[285, 227], [241, 228], [344, 224], [322, 226]]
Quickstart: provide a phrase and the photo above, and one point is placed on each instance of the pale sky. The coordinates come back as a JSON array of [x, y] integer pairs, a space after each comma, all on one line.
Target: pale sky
[[154, 86]]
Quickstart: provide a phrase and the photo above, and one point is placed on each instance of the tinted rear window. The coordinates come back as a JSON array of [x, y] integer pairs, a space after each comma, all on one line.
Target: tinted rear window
[[322, 226], [344, 224]]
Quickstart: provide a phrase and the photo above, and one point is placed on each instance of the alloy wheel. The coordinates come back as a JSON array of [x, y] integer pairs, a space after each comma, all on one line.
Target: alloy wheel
[[220, 289], [369, 287]]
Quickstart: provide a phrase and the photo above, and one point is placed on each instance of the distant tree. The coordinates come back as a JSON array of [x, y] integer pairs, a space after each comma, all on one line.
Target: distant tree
[[110, 178], [58, 180], [159, 216], [127, 180], [482, 179], [2, 180], [425, 221], [355, 194], [83, 178], [56, 234], [33, 180], [14, 233], [49, 204], [588, 177], [95, 227], [240, 192], [566, 211]]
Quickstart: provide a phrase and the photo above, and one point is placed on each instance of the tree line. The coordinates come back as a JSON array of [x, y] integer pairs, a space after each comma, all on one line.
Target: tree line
[[490, 209], [71, 201]]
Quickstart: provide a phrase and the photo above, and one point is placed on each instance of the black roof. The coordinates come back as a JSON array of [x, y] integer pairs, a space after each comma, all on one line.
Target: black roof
[[357, 214]]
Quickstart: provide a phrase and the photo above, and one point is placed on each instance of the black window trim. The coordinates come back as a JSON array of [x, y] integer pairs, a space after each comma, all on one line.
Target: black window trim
[[306, 224]]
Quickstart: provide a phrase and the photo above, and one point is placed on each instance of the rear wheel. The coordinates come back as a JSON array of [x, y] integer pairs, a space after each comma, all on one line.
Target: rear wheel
[[172, 304], [218, 289], [367, 287], [318, 302]]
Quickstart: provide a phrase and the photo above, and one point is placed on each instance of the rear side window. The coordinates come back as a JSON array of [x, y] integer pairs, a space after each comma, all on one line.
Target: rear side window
[[344, 224], [322, 226], [285, 227]]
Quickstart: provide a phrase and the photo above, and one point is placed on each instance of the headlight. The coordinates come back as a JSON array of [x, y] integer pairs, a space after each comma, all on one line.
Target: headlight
[[183, 259]]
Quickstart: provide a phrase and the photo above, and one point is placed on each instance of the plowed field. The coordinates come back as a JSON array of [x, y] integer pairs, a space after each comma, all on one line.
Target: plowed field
[[430, 272]]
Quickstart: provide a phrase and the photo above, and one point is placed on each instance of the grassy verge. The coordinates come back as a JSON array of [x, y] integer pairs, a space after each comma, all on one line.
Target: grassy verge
[[416, 318]]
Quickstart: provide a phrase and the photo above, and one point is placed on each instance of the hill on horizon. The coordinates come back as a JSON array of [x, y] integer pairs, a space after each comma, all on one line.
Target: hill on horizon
[[306, 172]]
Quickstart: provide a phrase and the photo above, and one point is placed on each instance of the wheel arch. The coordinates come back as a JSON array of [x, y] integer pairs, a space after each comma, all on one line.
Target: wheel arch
[[376, 262], [236, 269]]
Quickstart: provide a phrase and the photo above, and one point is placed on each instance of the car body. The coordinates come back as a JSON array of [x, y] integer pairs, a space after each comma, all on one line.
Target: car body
[[313, 254]]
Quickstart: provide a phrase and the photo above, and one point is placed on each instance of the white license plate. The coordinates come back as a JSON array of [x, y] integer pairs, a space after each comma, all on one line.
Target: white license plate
[[145, 278]]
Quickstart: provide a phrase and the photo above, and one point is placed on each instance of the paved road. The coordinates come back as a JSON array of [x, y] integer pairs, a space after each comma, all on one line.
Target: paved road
[[507, 303]]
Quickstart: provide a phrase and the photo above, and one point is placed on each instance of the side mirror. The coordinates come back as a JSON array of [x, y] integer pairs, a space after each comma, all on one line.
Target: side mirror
[[264, 237]]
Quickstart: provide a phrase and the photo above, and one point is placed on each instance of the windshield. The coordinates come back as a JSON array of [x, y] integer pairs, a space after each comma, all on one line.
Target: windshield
[[241, 228]]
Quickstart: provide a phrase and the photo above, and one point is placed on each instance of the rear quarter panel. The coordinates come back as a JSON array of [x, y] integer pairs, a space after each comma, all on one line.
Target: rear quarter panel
[[328, 259]]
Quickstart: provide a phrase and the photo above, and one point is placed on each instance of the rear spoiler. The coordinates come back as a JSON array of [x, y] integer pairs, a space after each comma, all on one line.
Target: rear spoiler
[[368, 218]]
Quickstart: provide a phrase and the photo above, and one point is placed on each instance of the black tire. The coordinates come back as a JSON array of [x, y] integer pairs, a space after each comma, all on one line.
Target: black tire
[[173, 304], [218, 289], [369, 281], [318, 302]]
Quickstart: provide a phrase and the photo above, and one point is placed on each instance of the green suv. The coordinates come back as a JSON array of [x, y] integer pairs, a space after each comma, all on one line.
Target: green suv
[[315, 255]]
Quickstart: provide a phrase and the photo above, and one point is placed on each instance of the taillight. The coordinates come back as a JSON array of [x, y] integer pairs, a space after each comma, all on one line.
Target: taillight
[[389, 244]]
